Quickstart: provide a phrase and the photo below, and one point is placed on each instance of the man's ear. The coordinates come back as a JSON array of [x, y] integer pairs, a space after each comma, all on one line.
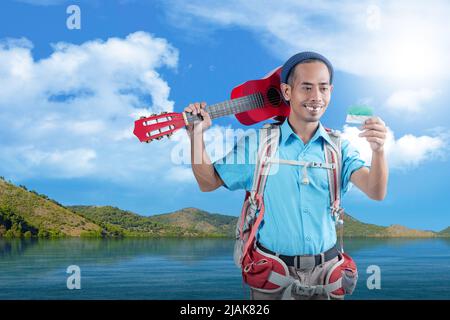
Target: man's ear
[[331, 88], [285, 91]]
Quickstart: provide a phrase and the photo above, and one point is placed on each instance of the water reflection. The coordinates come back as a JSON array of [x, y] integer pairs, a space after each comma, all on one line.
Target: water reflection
[[177, 249], [198, 268], [109, 250]]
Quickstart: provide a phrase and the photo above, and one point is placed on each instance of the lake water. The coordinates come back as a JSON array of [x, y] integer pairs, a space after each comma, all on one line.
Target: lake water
[[200, 269]]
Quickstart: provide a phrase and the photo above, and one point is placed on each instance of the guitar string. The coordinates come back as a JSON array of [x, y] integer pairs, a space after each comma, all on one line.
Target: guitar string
[[240, 106], [228, 107]]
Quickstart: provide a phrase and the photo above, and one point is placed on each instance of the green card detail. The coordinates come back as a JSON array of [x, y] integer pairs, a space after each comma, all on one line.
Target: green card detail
[[358, 114]]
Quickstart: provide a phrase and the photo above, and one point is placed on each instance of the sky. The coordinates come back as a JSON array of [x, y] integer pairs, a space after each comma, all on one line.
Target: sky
[[69, 97]]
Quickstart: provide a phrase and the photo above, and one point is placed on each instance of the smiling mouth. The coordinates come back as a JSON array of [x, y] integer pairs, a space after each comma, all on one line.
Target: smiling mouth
[[313, 107]]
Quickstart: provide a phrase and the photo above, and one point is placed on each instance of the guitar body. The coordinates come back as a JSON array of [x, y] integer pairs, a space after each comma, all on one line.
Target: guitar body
[[274, 104]]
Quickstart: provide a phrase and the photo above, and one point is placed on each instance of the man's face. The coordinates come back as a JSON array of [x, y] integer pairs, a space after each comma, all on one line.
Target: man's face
[[310, 92]]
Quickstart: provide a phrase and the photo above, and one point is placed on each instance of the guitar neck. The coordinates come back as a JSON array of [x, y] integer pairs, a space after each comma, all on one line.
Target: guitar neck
[[229, 107]]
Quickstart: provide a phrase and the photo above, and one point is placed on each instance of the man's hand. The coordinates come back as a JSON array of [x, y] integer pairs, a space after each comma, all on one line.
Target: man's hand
[[373, 182], [375, 133], [200, 126]]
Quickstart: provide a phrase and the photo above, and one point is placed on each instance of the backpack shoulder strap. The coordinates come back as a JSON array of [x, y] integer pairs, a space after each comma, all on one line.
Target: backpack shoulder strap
[[268, 144], [333, 155], [269, 136]]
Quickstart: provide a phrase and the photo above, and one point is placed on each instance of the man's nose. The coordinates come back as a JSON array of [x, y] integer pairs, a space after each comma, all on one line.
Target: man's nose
[[315, 94]]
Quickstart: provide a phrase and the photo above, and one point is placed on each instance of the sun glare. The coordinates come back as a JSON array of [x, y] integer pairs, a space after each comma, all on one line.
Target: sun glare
[[414, 54]]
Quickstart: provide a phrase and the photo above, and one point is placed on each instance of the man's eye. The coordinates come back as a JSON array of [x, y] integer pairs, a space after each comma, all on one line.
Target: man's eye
[[324, 89], [307, 88]]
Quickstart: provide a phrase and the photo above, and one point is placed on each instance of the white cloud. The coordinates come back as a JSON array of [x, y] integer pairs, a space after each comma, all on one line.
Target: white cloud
[[410, 150], [87, 127], [71, 114], [30, 161], [410, 101], [404, 40], [407, 152], [181, 174], [68, 163]]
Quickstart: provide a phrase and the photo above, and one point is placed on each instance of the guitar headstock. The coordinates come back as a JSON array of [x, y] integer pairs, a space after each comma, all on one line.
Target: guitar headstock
[[156, 126]]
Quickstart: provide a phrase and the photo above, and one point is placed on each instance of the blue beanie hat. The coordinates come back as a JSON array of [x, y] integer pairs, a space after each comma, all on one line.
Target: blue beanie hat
[[302, 56]]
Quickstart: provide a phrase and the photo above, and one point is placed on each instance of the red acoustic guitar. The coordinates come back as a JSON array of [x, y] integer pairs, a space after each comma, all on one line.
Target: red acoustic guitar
[[251, 102]]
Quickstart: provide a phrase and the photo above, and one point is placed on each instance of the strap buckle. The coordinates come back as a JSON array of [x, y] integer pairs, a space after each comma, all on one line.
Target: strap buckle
[[304, 290], [304, 262], [265, 159]]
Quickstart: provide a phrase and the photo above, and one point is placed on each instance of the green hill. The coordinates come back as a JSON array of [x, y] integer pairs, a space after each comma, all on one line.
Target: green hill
[[199, 220], [445, 232], [356, 228], [26, 213], [188, 222]]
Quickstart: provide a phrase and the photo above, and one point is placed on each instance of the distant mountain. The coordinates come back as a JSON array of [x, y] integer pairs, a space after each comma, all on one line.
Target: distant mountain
[[445, 232], [396, 230], [27, 213], [199, 220], [356, 228], [189, 222]]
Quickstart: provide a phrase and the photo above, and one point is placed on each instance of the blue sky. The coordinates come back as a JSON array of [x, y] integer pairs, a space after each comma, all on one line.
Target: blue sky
[[68, 98]]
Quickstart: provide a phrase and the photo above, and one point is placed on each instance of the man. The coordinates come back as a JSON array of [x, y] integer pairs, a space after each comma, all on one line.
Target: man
[[297, 221]]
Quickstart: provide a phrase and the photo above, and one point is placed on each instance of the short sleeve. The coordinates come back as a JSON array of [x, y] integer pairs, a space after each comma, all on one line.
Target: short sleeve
[[237, 167], [351, 161]]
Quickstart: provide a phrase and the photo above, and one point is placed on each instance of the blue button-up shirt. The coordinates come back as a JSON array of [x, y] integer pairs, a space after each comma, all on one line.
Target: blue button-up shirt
[[297, 218]]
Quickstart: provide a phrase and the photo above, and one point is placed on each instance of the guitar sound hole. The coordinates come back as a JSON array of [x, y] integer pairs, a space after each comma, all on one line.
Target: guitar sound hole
[[274, 96]]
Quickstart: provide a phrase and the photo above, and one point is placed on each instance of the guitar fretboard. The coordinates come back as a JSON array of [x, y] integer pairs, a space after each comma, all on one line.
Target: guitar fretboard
[[228, 107]]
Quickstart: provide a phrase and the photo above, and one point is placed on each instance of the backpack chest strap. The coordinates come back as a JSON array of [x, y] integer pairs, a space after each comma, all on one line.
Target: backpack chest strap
[[310, 164], [304, 164]]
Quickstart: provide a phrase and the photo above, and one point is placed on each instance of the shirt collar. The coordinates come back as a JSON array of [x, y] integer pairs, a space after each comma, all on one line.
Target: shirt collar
[[286, 132]]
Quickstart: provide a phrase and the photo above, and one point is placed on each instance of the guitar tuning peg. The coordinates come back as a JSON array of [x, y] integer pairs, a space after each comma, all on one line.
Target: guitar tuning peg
[[164, 112], [154, 114], [148, 141], [142, 117], [159, 138]]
